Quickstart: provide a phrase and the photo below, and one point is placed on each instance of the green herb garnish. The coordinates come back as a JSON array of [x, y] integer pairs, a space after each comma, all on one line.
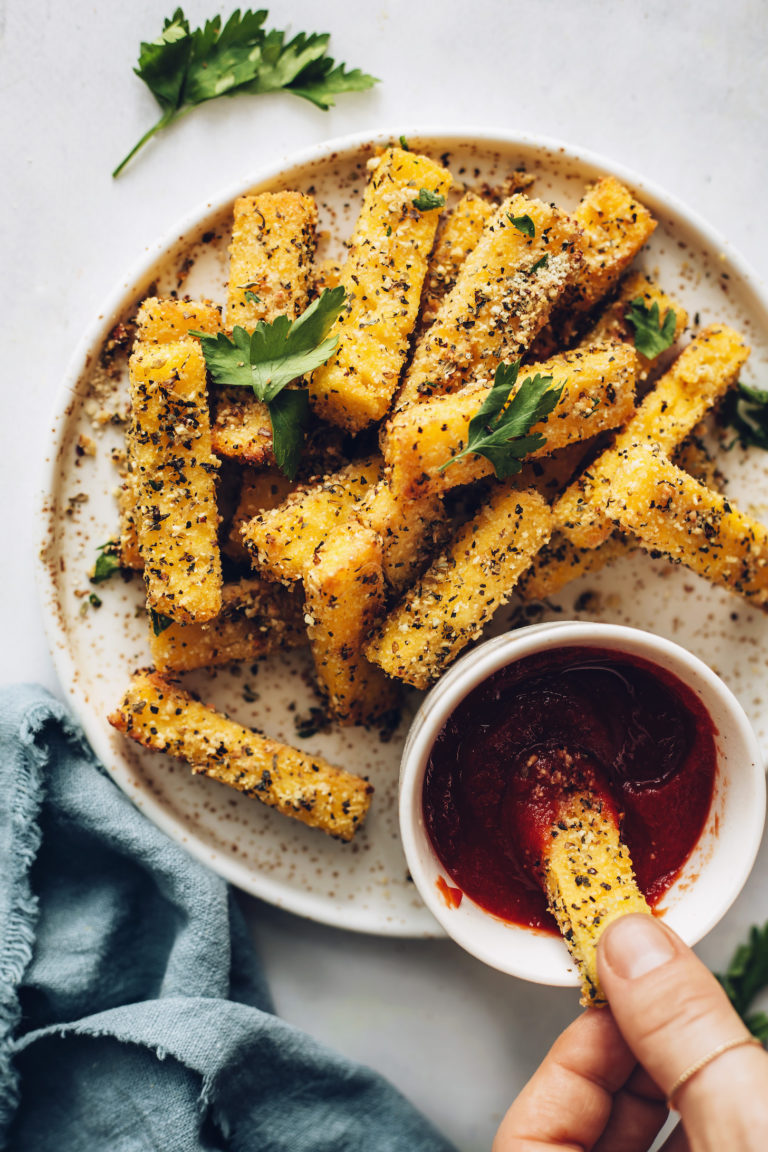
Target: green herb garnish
[[107, 562], [745, 409], [500, 429], [540, 263], [652, 336], [94, 600], [159, 621], [404, 144], [184, 67], [746, 976], [426, 200], [523, 224], [272, 356]]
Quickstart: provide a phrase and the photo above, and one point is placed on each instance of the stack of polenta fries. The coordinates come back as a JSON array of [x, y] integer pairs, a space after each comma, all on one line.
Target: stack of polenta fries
[[364, 563]]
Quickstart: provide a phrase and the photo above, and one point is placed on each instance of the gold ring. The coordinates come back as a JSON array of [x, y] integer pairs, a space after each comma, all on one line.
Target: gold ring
[[702, 1063]]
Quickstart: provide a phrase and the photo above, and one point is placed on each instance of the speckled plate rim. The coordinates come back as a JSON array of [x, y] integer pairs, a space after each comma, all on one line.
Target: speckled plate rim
[[431, 138]]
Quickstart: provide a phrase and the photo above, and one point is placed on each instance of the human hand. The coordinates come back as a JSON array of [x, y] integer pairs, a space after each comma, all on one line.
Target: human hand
[[604, 1084]]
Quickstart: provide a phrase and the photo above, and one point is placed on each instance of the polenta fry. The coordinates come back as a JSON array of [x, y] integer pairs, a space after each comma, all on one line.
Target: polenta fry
[[158, 714]]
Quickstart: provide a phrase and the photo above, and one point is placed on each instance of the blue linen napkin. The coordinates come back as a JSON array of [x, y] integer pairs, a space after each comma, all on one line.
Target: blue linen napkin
[[133, 1012]]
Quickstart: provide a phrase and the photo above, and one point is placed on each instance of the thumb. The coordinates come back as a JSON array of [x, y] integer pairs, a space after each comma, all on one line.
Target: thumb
[[673, 1013]]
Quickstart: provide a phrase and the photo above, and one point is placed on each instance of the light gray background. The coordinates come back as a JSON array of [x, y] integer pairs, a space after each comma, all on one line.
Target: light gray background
[[678, 92]]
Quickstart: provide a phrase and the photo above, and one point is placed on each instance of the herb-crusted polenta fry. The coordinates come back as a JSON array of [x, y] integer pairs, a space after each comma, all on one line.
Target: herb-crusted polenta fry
[[270, 274], [615, 227], [383, 277], [560, 561], [409, 530], [504, 293], [282, 541], [460, 233], [158, 321], [256, 617], [699, 377], [588, 880], [670, 512], [598, 394], [259, 491], [345, 595], [159, 715], [270, 257], [462, 589], [174, 469], [165, 321]]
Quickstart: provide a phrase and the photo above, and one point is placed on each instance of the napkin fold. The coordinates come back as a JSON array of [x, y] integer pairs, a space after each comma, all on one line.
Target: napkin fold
[[133, 1012]]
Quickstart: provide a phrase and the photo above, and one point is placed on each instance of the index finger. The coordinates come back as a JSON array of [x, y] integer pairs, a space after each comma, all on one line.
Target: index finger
[[568, 1102]]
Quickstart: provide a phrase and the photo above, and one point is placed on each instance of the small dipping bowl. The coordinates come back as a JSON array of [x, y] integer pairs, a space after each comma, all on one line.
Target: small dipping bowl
[[716, 869]]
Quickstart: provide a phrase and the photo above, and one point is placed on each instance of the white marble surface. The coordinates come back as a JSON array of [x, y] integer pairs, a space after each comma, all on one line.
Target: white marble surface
[[677, 92]]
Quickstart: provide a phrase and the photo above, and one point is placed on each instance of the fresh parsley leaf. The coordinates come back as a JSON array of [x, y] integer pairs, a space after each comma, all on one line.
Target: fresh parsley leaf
[[746, 976], [107, 562], [652, 335], [523, 224], [500, 429], [184, 66], [745, 409], [272, 356], [426, 200], [289, 413], [159, 621]]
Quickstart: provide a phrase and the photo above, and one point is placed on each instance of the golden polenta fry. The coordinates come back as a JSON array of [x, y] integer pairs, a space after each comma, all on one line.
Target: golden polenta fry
[[257, 617], [345, 596], [383, 276], [282, 541], [461, 590], [615, 226], [698, 378], [158, 321], [460, 233], [174, 470], [670, 512], [165, 321], [158, 714], [409, 530], [560, 561], [598, 394], [504, 293], [588, 880], [259, 491], [270, 274], [270, 257]]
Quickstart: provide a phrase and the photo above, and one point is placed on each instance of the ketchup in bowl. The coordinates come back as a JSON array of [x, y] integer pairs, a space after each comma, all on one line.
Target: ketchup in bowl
[[647, 740]]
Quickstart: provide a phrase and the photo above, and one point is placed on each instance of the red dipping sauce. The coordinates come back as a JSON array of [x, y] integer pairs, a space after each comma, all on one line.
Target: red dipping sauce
[[650, 739]]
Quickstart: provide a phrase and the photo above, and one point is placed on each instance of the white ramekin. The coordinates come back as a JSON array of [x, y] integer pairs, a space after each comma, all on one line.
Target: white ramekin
[[714, 873]]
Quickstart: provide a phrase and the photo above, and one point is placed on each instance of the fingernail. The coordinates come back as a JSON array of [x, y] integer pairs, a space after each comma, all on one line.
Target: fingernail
[[634, 945]]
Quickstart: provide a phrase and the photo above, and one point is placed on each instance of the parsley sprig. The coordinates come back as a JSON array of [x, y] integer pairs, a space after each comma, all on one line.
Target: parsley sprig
[[746, 976], [745, 409], [272, 356], [184, 67], [427, 200], [523, 224], [652, 335], [107, 562], [500, 430]]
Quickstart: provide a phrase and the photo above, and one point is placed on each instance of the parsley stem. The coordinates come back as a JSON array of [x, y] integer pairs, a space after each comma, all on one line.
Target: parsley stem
[[164, 120]]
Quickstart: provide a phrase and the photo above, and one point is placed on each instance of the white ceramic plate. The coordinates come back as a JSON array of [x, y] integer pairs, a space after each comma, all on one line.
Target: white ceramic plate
[[363, 885]]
